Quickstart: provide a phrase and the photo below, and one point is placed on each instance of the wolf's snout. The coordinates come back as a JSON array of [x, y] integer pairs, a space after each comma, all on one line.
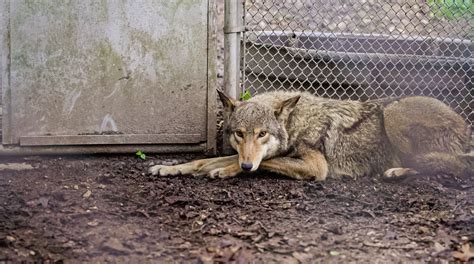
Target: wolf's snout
[[246, 166]]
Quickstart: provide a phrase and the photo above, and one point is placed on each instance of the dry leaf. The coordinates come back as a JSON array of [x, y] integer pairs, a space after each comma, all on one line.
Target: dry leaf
[[302, 257], [246, 234], [93, 223], [114, 246], [438, 247], [466, 253], [44, 201], [206, 259]]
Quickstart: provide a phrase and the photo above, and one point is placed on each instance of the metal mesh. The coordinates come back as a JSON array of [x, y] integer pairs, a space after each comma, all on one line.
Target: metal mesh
[[362, 49]]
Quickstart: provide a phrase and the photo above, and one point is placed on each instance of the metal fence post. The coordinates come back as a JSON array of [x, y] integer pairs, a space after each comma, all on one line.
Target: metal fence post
[[233, 27]]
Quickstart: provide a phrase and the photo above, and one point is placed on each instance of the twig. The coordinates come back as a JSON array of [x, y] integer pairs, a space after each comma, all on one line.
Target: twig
[[368, 244]]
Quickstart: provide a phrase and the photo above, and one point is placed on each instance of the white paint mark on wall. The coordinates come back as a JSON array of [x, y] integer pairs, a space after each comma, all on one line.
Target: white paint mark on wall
[[70, 102], [42, 58], [108, 124], [117, 86]]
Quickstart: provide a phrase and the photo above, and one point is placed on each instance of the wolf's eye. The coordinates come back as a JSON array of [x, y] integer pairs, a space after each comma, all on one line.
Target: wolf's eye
[[239, 134], [262, 134]]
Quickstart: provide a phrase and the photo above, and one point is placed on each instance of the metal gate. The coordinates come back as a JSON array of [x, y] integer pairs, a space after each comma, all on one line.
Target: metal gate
[[362, 49], [107, 76]]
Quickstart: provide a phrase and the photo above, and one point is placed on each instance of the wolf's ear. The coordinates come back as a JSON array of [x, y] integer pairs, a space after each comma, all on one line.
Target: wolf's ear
[[227, 101], [284, 108]]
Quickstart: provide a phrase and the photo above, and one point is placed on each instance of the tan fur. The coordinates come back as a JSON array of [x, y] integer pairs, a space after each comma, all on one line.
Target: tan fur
[[312, 165], [197, 167], [307, 137], [428, 136]]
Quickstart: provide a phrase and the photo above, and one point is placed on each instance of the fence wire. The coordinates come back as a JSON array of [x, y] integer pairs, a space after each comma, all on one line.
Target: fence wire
[[362, 49]]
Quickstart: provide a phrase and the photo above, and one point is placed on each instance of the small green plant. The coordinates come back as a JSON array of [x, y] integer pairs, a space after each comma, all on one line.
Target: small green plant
[[245, 95], [451, 8], [141, 155]]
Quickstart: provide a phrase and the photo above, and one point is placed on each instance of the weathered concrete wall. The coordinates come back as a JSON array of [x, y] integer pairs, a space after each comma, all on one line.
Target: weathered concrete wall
[[127, 67]]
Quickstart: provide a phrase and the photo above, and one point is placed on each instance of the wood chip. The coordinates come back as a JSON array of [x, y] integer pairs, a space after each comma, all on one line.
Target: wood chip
[[15, 166], [87, 194]]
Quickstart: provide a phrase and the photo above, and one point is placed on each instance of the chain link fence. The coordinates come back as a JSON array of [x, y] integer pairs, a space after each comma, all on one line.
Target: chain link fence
[[362, 49]]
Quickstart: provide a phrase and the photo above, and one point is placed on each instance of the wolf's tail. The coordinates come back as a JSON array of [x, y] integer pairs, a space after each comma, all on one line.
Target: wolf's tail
[[442, 162], [468, 159]]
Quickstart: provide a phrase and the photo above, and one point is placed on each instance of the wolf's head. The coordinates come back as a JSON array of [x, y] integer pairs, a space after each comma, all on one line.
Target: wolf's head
[[256, 131]]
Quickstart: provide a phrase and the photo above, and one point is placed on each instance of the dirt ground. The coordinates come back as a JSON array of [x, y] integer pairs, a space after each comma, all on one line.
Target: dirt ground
[[107, 209]]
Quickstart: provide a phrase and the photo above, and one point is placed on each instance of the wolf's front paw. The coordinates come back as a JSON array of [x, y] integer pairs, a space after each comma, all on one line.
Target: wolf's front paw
[[163, 170], [221, 173]]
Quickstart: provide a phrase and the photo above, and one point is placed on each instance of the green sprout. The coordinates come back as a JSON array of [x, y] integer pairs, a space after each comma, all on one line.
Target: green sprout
[[141, 155], [245, 95], [451, 8]]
